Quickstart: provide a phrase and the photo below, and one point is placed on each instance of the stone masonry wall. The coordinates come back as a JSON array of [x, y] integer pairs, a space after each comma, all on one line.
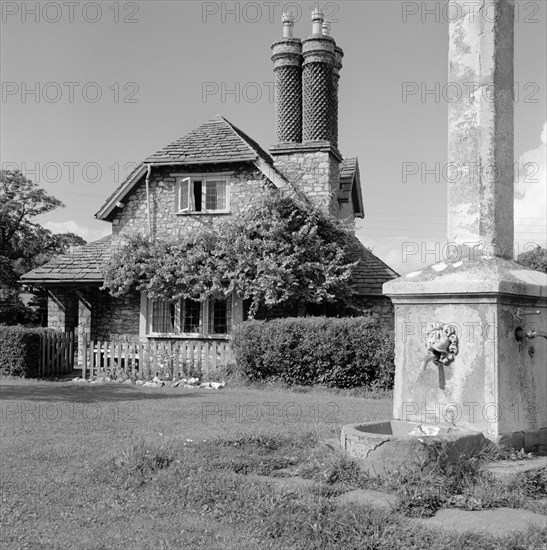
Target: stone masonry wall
[[107, 317], [62, 309], [120, 316], [114, 317], [246, 187], [381, 309], [317, 174]]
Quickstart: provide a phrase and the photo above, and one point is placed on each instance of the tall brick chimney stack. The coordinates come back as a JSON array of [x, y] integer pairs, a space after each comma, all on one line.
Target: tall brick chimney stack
[[307, 74], [338, 54], [287, 58], [319, 86]]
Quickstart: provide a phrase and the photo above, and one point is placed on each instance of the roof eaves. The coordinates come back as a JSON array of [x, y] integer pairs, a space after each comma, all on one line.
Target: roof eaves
[[359, 207], [120, 193], [75, 281], [196, 162]]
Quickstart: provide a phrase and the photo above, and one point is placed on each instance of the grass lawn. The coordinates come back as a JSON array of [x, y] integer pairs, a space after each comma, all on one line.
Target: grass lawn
[[116, 466]]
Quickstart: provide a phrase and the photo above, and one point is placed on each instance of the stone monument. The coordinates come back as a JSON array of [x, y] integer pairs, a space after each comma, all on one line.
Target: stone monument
[[470, 332]]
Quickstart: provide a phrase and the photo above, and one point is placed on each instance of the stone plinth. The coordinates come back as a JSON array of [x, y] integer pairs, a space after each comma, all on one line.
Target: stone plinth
[[494, 384]]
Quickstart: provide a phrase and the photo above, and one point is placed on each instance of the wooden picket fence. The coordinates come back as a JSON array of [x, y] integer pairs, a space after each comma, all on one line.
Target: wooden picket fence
[[163, 358], [56, 353]]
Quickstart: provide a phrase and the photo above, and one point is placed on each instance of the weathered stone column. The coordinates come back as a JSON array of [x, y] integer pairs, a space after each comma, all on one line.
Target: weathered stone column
[[84, 325], [481, 125]]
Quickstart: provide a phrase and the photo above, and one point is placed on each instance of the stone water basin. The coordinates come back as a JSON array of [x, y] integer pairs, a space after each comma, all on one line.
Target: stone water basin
[[391, 445]]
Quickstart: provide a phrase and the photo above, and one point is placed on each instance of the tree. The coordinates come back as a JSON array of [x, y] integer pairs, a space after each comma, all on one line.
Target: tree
[[281, 251], [535, 259], [24, 244]]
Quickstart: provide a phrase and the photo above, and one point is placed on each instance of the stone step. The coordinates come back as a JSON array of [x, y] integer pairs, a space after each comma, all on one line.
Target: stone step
[[504, 469], [499, 521], [368, 497]]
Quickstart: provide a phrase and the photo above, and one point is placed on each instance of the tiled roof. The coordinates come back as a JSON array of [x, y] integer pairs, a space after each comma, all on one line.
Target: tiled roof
[[251, 143], [215, 141], [129, 177], [82, 265], [347, 168], [370, 273], [350, 185]]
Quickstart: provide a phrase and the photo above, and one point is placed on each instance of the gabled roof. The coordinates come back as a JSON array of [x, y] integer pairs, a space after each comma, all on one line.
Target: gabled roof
[[80, 266], [215, 141], [132, 178], [350, 185], [371, 272]]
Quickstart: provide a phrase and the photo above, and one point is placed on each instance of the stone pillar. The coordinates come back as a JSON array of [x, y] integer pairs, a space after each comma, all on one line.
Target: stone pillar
[[471, 333], [62, 309], [84, 325], [481, 126], [287, 58]]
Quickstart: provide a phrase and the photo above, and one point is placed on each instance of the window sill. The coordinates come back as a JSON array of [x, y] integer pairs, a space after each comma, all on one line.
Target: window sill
[[192, 336], [205, 213]]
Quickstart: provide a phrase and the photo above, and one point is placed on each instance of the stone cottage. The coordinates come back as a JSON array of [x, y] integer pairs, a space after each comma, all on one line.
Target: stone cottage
[[213, 172]]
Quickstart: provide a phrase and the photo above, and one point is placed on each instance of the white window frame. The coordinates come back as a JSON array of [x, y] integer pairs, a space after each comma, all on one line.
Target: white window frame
[[205, 308], [188, 180]]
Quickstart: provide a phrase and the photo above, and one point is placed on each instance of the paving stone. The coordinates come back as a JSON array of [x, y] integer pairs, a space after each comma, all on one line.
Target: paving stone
[[503, 469], [499, 522], [368, 497], [288, 484]]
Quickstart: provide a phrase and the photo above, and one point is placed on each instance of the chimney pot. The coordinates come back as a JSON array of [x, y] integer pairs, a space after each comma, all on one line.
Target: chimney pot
[[326, 28], [317, 18], [288, 25]]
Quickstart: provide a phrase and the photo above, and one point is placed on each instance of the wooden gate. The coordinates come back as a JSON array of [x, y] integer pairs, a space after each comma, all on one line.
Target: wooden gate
[[56, 353]]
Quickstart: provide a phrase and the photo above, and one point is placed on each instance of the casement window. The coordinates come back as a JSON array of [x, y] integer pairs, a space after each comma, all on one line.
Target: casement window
[[205, 194], [189, 317]]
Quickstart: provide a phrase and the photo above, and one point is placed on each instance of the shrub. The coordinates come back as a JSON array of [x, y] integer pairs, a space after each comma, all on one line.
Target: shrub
[[20, 350], [341, 353]]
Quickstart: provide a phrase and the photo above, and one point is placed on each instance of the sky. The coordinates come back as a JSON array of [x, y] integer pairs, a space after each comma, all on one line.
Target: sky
[[90, 89]]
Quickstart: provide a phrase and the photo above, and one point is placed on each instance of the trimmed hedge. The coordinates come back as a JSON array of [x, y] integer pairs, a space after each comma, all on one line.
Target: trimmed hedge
[[20, 350], [342, 353]]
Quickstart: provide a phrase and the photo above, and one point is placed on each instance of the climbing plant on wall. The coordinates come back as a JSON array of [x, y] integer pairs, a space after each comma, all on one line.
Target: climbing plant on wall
[[282, 250]]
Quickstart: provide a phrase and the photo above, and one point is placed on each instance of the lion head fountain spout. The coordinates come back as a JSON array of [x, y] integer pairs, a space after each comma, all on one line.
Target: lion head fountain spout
[[442, 346], [427, 359]]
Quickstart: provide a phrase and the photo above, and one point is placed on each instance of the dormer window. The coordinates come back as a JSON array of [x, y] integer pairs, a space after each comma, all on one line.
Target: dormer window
[[202, 194]]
